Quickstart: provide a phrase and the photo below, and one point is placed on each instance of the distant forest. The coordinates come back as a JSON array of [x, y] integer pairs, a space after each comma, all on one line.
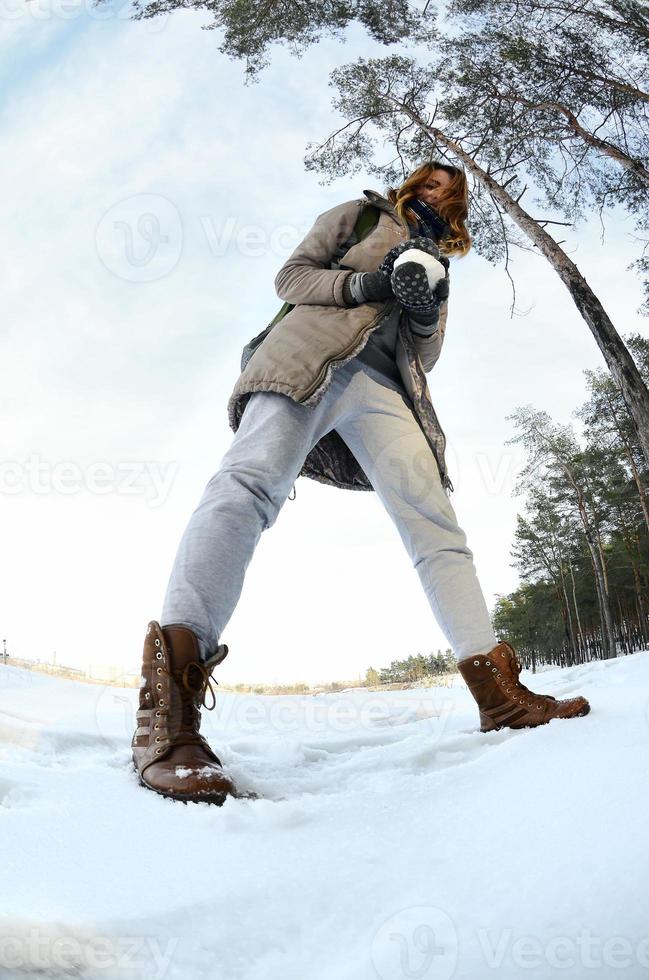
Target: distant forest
[[582, 543]]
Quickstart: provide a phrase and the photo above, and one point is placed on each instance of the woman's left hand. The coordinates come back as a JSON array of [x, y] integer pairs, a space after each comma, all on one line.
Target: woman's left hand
[[411, 287], [423, 244]]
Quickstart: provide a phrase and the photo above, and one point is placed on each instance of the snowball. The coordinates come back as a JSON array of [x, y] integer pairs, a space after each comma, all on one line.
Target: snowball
[[434, 269]]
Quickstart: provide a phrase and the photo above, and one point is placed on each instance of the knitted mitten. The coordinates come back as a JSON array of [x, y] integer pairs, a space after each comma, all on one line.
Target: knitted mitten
[[366, 287], [420, 282], [423, 244]]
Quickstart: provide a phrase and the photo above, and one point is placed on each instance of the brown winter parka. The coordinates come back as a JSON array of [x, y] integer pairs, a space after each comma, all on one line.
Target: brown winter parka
[[321, 333]]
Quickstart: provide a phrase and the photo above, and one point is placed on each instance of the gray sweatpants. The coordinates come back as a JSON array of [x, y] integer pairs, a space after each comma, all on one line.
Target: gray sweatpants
[[375, 418]]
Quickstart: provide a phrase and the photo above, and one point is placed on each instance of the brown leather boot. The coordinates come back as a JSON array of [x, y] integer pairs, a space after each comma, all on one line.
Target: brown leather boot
[[503, 701], [170, 755]]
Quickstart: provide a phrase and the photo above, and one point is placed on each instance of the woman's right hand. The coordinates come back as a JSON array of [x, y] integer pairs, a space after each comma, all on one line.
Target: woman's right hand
[[367, 287]]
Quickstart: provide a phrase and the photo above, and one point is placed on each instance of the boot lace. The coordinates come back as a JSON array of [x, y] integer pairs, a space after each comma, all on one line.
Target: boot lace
[[188, 696], [540, 699], [516, 685], [516, 669]]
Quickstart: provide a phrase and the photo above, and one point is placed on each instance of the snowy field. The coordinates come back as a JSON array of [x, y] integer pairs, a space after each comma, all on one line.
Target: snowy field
[[391, 838]]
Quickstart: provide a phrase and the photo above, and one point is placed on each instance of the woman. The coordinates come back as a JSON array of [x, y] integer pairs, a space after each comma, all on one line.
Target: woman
[[336, 392]]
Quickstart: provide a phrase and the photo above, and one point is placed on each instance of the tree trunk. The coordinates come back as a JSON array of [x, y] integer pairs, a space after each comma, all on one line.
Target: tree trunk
[[609, 648], [580, 632], [570, 625]]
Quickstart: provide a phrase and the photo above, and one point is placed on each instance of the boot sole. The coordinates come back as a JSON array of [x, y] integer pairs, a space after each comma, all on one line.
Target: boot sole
[[578, 714], [215, 799]]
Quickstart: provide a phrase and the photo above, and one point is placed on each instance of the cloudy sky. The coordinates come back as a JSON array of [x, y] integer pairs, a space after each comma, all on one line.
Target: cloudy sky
[[150, 198]]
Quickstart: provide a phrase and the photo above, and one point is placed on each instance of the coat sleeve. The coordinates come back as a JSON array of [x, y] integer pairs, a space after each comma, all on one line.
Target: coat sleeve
[[306, 276], [429, 348]]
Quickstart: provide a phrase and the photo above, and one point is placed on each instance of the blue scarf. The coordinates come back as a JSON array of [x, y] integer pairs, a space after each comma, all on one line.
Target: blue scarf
[[431, 223]]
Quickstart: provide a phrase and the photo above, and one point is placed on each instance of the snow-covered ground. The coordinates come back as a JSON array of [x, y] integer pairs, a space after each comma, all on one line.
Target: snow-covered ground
[[391, 838]]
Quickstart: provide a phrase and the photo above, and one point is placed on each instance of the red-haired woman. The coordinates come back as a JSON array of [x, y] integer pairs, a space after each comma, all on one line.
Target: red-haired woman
[[336, 391]]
